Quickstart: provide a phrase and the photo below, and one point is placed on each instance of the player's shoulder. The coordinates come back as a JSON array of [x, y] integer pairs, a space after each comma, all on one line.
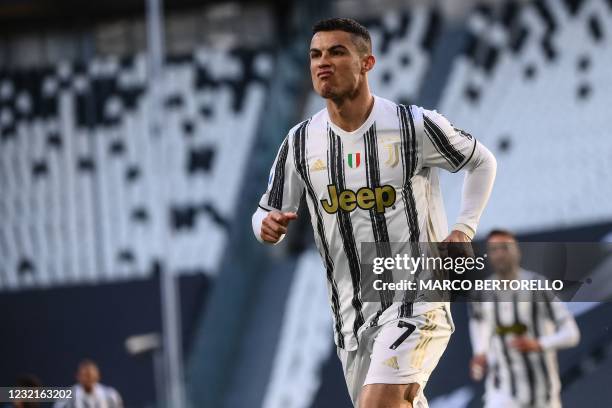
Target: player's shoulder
[[295, 128], [530, 275], [432, 114], [389, 105], [110, 392], [315, 120], [318, 120], [311, 124], [386, 107]]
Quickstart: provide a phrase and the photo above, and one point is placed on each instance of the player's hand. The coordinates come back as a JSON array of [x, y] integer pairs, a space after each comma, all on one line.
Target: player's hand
[[526, 344], [456, 245], [457, 236], [478, 367], [275, 225]]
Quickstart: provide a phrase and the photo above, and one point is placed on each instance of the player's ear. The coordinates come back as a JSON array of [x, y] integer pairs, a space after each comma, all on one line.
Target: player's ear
[[367, 63]]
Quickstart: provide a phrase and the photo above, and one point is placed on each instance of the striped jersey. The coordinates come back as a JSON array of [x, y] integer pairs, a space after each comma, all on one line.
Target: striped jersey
[[378, 183], [530, 379], [101, 396]]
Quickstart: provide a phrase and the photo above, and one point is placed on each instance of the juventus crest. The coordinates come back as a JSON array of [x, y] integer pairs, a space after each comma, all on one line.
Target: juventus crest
[[392, 150]]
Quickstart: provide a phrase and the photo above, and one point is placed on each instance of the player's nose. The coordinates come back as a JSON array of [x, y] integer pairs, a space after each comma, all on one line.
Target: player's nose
[[324, 60]]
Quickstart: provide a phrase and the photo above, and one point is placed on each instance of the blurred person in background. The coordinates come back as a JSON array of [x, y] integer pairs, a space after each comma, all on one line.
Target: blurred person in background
[[515, 342], [368, 167], [23, 382], [89, 392]]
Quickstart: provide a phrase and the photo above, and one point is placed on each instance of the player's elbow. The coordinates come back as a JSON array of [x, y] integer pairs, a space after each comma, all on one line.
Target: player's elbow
[[493, 162], [488, 160], [575, 337], [484, 162], [571, 334]]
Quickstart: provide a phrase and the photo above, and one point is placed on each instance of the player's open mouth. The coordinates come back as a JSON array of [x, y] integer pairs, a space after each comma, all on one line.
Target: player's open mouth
[[324, 74]]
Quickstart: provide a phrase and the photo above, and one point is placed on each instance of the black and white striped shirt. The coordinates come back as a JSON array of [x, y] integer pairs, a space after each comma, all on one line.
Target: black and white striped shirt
[[530, 379], [101, 396], [378, 183]]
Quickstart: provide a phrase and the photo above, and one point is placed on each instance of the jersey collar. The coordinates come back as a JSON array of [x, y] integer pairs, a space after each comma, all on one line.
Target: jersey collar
[[361, 129]]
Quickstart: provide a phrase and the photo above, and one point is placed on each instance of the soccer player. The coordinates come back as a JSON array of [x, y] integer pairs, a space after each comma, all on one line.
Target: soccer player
[[515, 339], [369, 170], [89, 392]]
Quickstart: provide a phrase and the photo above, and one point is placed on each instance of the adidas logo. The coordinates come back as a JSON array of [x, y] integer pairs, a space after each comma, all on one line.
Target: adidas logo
[[392, 362], [318, 166]]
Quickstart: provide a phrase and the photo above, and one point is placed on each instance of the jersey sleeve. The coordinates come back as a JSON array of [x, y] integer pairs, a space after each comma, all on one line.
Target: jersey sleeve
[[444, 145], [479, 328], [115, 398], [566, 332], [285, 187]]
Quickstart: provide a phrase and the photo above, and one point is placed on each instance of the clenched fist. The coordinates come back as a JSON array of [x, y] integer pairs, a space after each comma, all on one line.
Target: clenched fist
[[275, 225]]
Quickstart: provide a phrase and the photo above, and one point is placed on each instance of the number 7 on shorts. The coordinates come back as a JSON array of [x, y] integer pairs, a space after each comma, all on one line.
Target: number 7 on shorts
[[409, 329]]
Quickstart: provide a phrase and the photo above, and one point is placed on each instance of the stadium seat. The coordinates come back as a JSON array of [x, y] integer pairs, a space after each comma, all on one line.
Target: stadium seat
[[91, 192], [540, 97]]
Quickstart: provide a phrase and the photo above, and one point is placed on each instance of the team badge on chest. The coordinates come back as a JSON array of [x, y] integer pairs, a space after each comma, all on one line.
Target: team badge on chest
[[392, 154], [354, 160]]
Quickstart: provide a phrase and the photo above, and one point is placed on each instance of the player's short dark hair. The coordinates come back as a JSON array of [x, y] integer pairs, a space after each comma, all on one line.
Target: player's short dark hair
[[357, 31], [28, 380], [500, 232], [87, 362]]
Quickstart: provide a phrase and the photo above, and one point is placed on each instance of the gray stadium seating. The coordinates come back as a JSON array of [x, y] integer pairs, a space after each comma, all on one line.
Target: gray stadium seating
[[90, 193], [533, 85]]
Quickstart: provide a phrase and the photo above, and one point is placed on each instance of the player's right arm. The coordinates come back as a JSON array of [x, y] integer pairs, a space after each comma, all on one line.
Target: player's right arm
[[279, 203]]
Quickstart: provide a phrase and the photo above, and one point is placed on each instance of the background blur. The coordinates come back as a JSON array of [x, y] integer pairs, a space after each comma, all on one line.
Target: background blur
[[133, 153]]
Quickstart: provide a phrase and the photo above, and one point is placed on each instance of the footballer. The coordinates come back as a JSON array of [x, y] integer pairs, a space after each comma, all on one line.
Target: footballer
[[369, 170]]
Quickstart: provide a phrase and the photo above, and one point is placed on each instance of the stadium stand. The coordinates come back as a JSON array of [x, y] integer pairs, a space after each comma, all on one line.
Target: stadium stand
[[538, 72], [304, 339], [95, 203], [90, 195]]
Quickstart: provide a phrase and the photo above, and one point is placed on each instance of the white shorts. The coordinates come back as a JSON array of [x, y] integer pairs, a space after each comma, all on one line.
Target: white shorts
[[402, 351]]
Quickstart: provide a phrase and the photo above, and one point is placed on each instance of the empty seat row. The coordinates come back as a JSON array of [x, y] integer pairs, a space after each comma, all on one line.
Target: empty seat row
[[542, 113], [100, 178]]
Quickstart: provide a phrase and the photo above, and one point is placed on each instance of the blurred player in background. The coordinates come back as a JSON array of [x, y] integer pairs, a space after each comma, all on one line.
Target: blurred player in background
[[515, 341], [22, 382], [368, 167], [88, 392]]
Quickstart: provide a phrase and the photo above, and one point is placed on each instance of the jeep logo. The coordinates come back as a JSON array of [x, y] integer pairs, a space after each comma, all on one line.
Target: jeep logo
[[380, 198]]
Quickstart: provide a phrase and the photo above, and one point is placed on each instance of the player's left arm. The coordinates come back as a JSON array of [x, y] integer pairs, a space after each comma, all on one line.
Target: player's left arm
[[566, 332], [116, 398], [453, 149]]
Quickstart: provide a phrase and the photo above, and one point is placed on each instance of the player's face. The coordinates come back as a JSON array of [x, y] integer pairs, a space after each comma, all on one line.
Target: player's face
[[337, 68], [503, 254], [88, 376]]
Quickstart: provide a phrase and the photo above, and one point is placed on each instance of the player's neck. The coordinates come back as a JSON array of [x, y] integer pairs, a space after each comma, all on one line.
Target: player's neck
[[511, 274], [351, 112]]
